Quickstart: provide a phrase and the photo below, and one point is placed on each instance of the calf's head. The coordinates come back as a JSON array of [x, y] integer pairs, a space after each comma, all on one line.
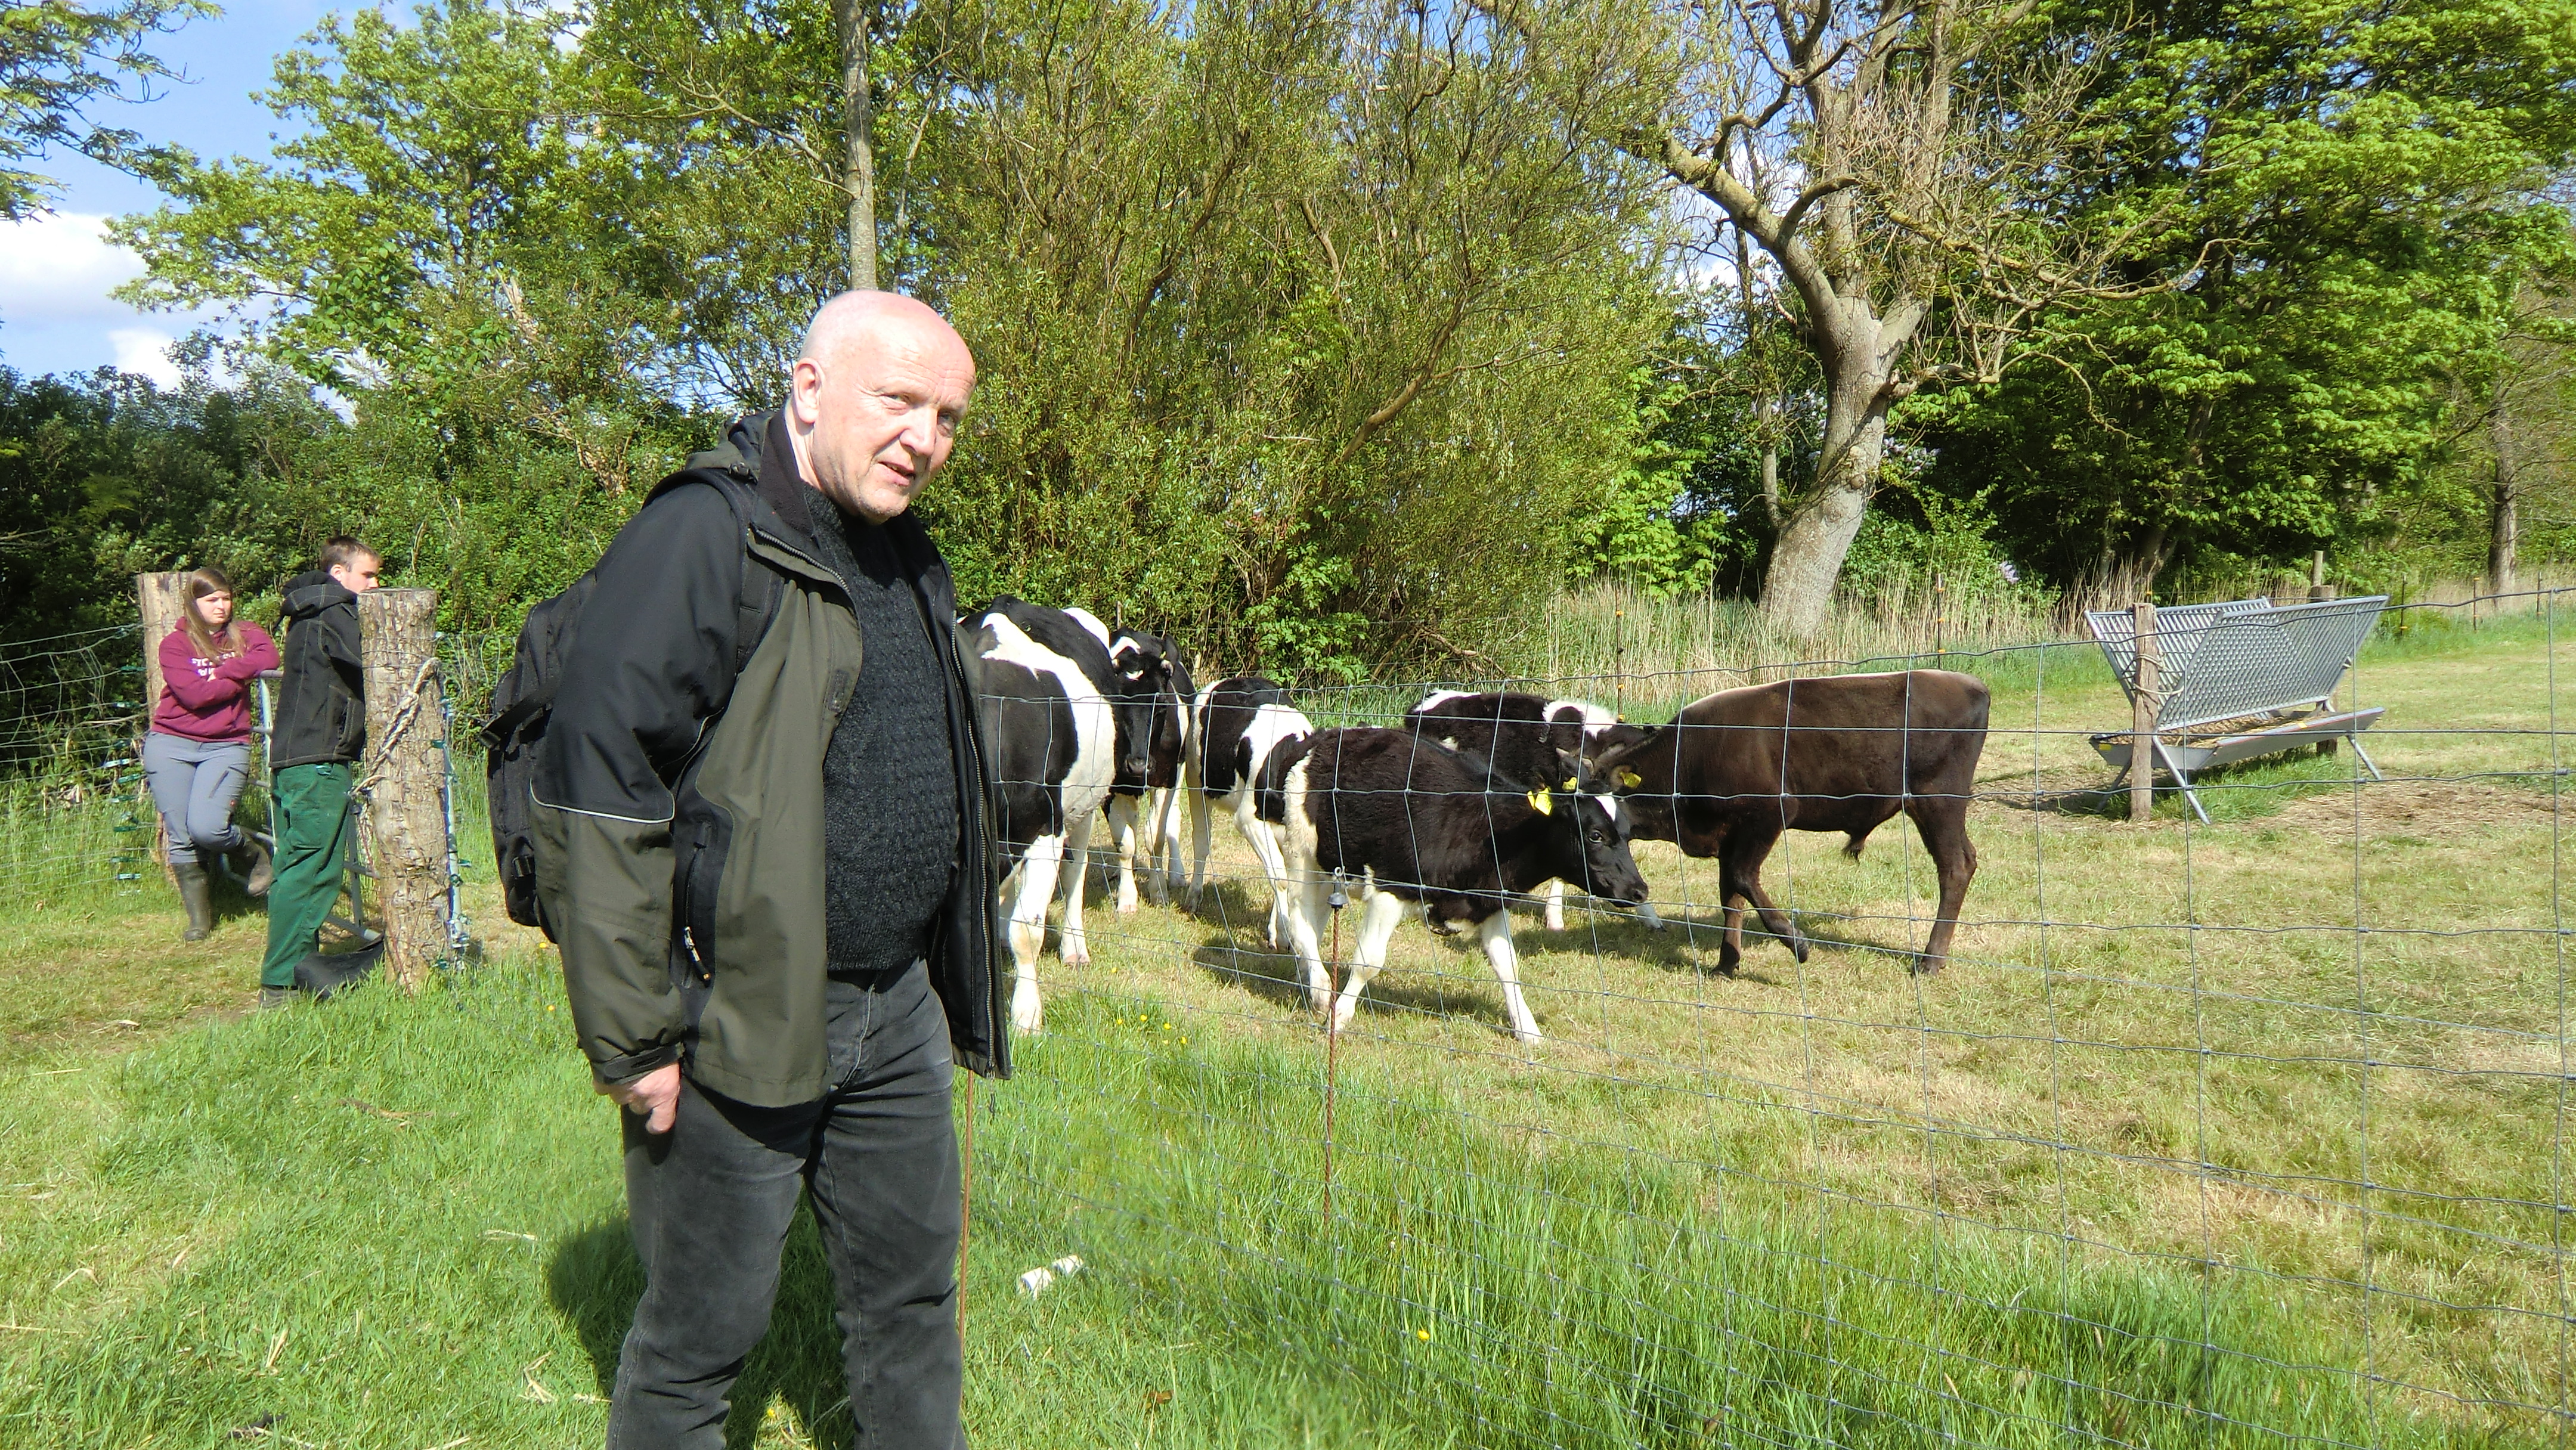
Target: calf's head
[[1589, 842], [1142, 663]]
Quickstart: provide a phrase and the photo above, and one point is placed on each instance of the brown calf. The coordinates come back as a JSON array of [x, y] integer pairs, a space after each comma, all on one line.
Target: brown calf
[[1844, 753]]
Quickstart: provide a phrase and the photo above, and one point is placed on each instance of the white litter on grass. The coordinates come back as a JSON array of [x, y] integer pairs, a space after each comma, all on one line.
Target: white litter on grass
[[1035, 1281]]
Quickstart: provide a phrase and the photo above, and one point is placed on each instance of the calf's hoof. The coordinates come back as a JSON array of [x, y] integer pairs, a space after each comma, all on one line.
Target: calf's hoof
[[1929, 966], [1798, 949], [1028, 1011]]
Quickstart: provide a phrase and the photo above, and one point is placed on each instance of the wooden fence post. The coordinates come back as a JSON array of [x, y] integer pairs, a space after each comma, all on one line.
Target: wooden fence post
[[2142, 715], [161, 600], [404, 778]]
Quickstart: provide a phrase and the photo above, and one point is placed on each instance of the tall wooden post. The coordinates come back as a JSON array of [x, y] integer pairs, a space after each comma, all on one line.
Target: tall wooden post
[[160, 596], [403, 777], [162, 602], [2142, 715]]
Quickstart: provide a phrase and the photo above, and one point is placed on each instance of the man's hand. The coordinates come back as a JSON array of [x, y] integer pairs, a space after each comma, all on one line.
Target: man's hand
[[654, 1097]]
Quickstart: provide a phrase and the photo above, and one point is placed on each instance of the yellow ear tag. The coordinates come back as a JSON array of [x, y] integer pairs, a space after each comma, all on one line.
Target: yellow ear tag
[[1540, 803], [1631, 779], [1571, 783]]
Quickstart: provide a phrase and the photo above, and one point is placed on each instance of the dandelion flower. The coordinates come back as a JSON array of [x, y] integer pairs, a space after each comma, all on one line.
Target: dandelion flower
[[1422, 1334]]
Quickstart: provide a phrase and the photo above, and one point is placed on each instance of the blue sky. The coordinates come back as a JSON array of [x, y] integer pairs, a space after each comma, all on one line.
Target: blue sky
[[56, 270]]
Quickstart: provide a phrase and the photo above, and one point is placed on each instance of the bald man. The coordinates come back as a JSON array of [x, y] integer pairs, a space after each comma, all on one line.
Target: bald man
[[762, 854]]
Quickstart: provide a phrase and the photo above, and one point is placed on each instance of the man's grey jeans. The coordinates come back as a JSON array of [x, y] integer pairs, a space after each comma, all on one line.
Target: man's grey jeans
[[710, 1203]]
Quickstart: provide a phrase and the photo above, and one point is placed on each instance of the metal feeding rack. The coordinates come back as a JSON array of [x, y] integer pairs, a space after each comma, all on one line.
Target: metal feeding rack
[[2241, 679]]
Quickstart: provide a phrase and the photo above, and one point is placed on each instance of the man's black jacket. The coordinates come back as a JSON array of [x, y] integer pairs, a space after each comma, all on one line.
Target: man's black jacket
[[678, 795], [322, 703]]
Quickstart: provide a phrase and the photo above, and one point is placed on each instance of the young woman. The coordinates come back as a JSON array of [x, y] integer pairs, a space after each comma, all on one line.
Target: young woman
[[198, 752]]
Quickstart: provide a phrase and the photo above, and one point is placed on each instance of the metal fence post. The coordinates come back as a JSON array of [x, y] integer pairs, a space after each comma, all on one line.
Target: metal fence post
[[404, 784], [2142, 716]]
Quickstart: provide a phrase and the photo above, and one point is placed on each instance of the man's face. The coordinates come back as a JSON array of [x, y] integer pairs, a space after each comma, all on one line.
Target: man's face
[[359, 574], [879, 412]]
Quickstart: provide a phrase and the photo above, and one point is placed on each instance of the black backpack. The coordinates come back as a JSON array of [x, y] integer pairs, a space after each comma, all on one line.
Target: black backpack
[[524, 701]]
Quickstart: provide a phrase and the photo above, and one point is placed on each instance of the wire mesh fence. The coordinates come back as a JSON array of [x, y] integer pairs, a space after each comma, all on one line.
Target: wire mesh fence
[[75, 811], [2244, 1132]]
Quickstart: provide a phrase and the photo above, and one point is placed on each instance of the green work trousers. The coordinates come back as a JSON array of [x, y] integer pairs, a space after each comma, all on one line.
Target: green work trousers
[[309, 808]]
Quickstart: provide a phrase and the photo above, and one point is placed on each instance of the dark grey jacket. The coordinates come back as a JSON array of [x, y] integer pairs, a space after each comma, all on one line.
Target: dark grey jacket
[[322, 701], [679, 804]]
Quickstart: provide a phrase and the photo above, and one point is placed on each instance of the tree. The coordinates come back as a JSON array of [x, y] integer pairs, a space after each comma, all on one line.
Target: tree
[[2347, 199], [2529, 421], [1303, 328], [1871, 150], [441, 234], [56, 58], [105, 475]]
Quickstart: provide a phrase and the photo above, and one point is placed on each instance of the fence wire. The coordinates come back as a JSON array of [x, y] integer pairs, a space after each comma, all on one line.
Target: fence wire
[[2247, 1132], [2243, 1132]]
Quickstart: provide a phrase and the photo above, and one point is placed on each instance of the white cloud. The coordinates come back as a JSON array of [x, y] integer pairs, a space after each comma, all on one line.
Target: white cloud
[[59, 267], [145, 350], [56, 316]]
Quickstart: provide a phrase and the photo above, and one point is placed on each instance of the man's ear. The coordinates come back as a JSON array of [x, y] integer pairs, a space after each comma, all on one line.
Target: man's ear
[[806, 374]]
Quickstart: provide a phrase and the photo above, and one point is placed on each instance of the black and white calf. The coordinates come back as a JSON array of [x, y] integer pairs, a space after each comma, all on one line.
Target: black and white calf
[[1235, 725], [1528, 738], [1408, 819], [1050, 710], [1150, 670]]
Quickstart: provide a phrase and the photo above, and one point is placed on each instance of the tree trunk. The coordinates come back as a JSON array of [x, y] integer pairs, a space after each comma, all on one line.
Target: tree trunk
[[2504, 512], [858, 112], [1766, 412], [1799, 588]]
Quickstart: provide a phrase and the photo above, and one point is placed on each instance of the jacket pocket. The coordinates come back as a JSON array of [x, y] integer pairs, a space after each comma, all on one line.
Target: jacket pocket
[[703, 844]]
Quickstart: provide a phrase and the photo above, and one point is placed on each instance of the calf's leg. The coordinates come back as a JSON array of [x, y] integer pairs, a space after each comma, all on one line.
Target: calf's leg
[[1943, 824], [1553, 896], [1123, 848], [1274, 866], [1199, 816], [1025, 894], [1071, 944], [1746, 850], [1305, 926], [1162, 842], [1380, 914], [1496, 930]]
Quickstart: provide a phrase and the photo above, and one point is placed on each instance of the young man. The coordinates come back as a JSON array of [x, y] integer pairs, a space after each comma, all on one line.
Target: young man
[[762, 849], [319, 735]]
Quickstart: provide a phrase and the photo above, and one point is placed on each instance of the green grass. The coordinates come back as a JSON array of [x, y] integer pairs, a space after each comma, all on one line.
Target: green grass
[[1818, 1202], [396, 1222]]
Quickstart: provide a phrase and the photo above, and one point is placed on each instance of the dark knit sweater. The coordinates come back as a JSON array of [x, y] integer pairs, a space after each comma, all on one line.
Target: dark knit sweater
[[889, 781]]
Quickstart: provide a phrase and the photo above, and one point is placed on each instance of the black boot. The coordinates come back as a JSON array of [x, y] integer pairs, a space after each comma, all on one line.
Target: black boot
[[251, 860], [196, 893]]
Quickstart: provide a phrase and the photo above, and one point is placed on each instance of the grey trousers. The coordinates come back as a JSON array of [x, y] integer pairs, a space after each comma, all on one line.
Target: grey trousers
[[711, 1200], [194, 785]]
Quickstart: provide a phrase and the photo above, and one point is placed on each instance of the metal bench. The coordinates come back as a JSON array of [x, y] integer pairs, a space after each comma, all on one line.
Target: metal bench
[[2241, 679]]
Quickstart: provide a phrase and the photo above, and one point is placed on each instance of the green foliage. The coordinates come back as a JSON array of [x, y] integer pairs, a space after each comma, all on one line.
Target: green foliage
[[1925, 546], [2349, 198], [58, 56], [106, 476]]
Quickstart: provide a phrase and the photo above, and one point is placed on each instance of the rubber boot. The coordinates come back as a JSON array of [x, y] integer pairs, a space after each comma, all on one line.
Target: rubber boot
[[197, 894], [272, 999], [260, 871]]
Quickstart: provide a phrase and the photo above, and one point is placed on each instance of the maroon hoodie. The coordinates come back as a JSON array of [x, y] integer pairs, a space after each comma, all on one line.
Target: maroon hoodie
[[203, 699]]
